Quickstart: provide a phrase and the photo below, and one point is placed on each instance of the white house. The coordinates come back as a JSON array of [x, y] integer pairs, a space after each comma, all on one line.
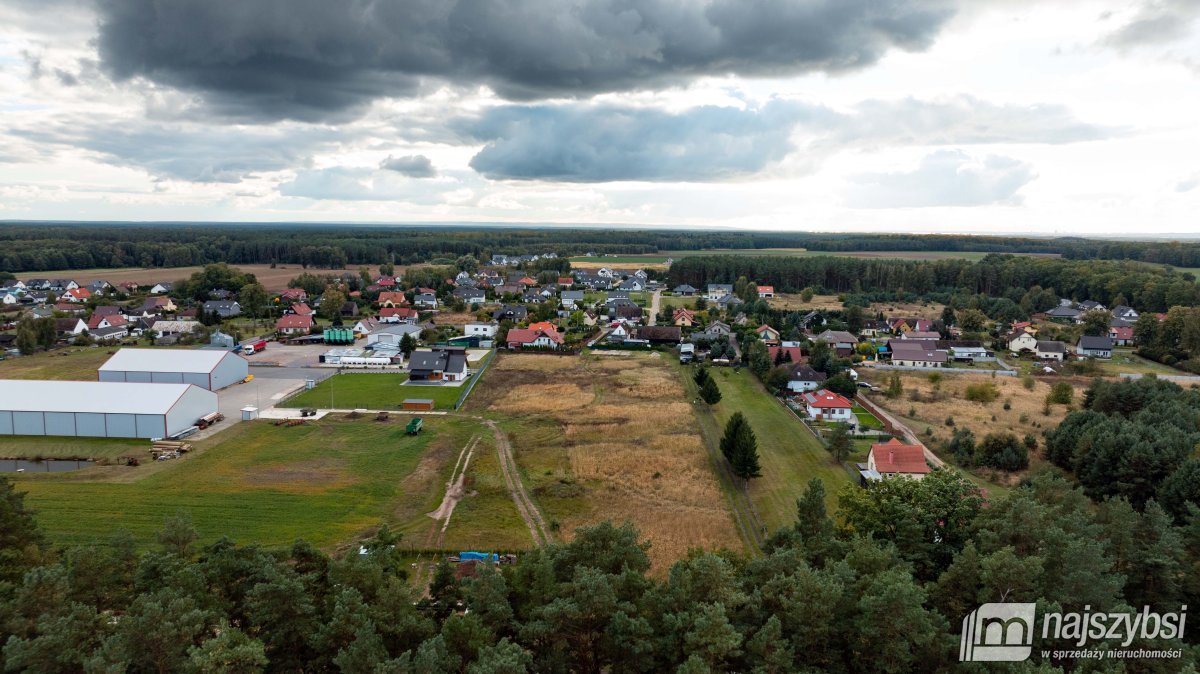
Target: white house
[[481, 329], [1050, 350], [804, 378], [1022, 341], [718, 290], [827, 405], [896, 459]]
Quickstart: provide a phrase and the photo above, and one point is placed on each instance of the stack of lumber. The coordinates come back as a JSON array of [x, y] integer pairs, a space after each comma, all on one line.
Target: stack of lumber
[[170, 446]]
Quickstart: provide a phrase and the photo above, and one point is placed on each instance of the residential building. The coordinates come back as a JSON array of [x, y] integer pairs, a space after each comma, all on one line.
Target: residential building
[[1019, 341], [916, 354], [767, 335], [1094, 347], [398, 315], [427, 300], [223, 308], [1049, 350], [294, 324], [803, 379], [659, 334], [481, 329], [1122, 335], [439, 364], [470, 296], [766, 292], [825, 405], [683, 317], [718, 290], [571, 299], [540, 337], [511, 312], [684, 290], [896, 459], [391, 298]]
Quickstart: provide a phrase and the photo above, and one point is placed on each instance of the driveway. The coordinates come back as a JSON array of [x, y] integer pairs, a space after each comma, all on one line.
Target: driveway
[[654, 307], [269, 386]]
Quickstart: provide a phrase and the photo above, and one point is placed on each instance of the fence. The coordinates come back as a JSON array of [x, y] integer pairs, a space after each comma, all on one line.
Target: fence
[[947, 370], [470, 385]]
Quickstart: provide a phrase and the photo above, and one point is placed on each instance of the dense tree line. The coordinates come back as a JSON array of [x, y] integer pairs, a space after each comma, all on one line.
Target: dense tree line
[[50, 247], [1134, 439], [997, 276], [884, 589]]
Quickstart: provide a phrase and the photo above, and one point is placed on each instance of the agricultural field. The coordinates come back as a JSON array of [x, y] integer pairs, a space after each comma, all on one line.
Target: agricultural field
[[355, 391], [793, 302], [925, 406], [613, 437], [789, 454], [638, 261], [329, 482], [880, 254], [273, 279]]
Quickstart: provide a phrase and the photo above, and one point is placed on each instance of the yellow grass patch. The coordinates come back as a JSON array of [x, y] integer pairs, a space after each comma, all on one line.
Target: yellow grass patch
[[304, 477], [545, 398]]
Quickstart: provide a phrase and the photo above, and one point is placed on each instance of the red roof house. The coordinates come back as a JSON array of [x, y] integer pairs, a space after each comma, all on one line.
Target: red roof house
[[398, 315], [894, 458], [766, 291], [293, 295], [793, 354], [535, 337], [827, 405], [294, 324], [392, 298], [77, 295], [302, 309], [1121, 336]]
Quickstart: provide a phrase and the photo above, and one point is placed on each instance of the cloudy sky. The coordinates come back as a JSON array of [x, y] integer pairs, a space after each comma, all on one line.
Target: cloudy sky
[[997, 116]]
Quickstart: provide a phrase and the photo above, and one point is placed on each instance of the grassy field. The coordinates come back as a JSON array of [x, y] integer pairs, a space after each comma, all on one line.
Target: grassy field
[[98, 449], [371, 392], [74, 363], [329, 482], [579, 429], [789, 454], [866, 419], [672, 302], [882, 254], [1124, 361]]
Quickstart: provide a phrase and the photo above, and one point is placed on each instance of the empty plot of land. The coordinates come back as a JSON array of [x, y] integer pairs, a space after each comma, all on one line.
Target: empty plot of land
[[610, 438]]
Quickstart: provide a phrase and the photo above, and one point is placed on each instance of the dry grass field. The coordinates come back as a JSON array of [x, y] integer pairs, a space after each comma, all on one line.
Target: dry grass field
[[273, 280], [792, 302], [948, 399], [611, 437]]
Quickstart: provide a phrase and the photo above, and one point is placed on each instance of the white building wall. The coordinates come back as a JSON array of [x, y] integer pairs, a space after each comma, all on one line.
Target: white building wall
[[232, 369], [195, 403]]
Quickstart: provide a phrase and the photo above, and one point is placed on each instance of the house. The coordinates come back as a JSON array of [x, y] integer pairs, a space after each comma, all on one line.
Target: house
[[98, 321], [157, 305], [896, 459], [715, 330], [128, 287], [77, 295], [660, 334], [532, 296], [301, 309], [175, 328], [1049, 350], [632, 285], [842, 341], [366, 326], [1124, 312], [628, 312], [1064, 315], [921, 334], [766, 292], [683, 317], [398, 315], [69, 326], [545, 336], [426, 300], [718, 290], [440, 364], [223, 308], [161, 288], [107, 310], [619, 331], [1019, 341], [1089, 305], [99, 287], [786, 354], [349, 309], [874, 328], [728, 301], [109, 334], [386, 281], [294, 324], [803, 379], [565, 281], [916, 354], [684, 290], [511, 312], [1094, 347], [481, 329], [292, 295], [767, 334], [68, 308], [827, 406], [571, 299], [470, 295], [391, 298], [1121, 335]]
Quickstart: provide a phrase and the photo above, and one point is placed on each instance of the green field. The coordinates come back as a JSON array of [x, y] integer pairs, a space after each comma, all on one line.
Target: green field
[[789, 454], [881, 254], [1124, 361], [622, 259], [371, 392], [866, 419], [54, 447], [77, 363], [329, 482]]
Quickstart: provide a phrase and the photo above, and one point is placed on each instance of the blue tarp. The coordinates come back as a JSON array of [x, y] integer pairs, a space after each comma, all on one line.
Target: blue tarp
[[478, 556]]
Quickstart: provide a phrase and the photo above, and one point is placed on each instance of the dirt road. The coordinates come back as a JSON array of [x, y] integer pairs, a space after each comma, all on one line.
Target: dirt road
[[654, 302], [911, 437], [512, 478]]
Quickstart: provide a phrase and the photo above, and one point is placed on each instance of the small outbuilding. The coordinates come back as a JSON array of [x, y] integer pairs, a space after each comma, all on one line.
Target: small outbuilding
[[417, 404], [207, 368]]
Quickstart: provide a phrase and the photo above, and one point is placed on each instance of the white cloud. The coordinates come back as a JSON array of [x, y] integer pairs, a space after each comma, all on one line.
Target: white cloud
[[943, 178]]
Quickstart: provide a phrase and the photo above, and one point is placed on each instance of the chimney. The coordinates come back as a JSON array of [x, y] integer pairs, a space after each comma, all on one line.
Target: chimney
[[892, 456]]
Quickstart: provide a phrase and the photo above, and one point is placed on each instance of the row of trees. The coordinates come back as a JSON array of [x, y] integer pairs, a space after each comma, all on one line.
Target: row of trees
[[883, 589]]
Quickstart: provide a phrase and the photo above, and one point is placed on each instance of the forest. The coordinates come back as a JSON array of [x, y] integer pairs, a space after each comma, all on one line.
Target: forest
[[29, 247], [1001, 276]]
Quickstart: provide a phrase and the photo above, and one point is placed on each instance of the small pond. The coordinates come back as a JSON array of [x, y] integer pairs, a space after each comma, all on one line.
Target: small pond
[[45, 466]]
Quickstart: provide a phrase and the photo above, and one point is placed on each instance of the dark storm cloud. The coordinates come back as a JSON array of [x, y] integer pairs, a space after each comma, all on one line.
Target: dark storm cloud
[[413, 166], [320, 59], [600, 143]]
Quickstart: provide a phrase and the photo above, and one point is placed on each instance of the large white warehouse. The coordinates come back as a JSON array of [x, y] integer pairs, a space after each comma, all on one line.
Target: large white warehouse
[[212, 369], [101, 409]]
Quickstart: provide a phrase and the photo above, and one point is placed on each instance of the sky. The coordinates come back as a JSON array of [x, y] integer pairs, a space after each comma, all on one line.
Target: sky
[[973, 116]]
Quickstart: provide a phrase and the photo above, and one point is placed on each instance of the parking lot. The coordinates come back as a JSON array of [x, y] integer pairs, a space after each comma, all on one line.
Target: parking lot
[[289, 355], [269, 386]]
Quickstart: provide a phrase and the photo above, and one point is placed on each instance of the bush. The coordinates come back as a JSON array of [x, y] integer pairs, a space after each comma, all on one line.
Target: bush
[[1002, 451], [949, 421], [984, 392], [1060, 394], [1027, 382], [1007, 405]]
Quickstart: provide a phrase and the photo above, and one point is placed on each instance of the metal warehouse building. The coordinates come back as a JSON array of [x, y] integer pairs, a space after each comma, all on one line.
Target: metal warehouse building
[[212, 369], [101, 409]]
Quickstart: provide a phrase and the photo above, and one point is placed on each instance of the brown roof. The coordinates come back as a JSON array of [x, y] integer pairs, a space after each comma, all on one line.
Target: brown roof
[[894, 456]]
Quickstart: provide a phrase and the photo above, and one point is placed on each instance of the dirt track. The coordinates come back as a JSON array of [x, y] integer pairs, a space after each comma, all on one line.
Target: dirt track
[[508, 465]]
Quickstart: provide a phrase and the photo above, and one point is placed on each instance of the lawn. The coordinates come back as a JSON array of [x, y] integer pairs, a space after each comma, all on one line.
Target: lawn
[[1124, 361], [673, 301], [77, 363], [372, 392], [789, 454], [54, 447], [610, 437], [601, 261], [328, 482], [884, 254], [866, 419]]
